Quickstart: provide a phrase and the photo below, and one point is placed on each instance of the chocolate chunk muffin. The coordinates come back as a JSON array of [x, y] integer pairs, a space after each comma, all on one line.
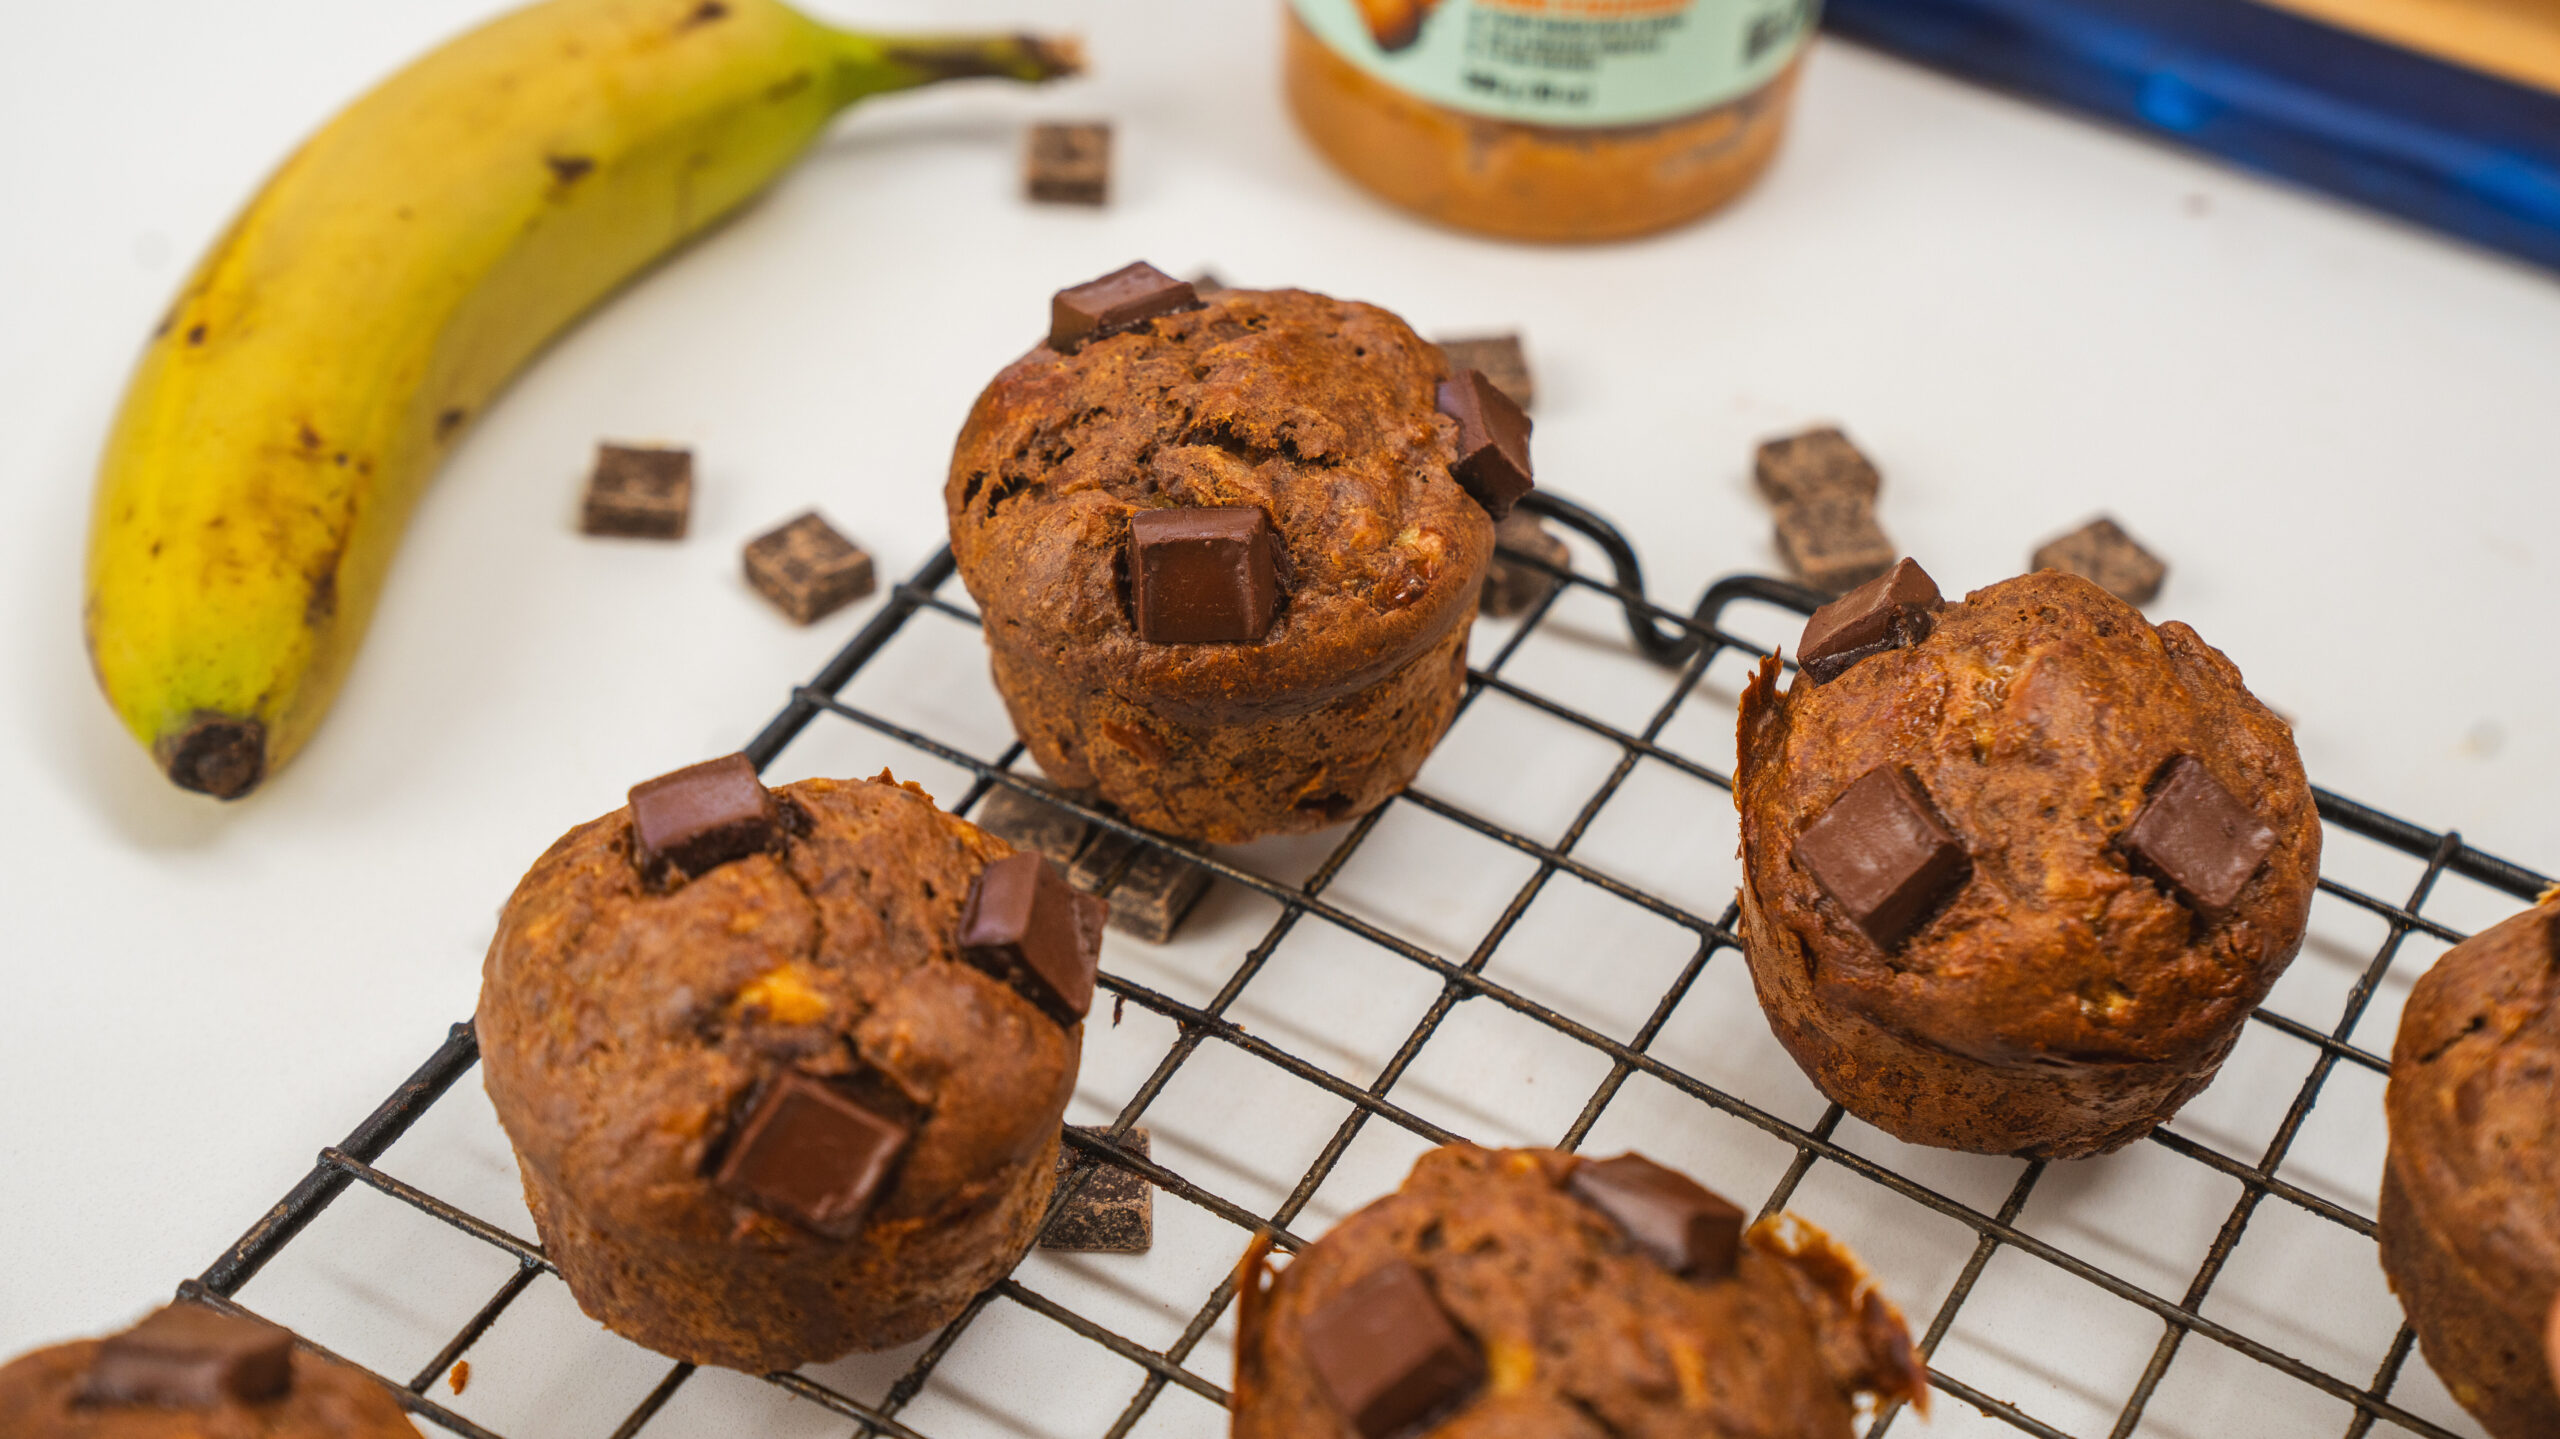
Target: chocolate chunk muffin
[[784, 1070], [1541, 1295], [2015, 870], [2470, 1220], [189, 1372], [1226, 567]]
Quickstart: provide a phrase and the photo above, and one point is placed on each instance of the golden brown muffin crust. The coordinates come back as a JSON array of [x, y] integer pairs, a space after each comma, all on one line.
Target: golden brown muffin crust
[[38, 1400]]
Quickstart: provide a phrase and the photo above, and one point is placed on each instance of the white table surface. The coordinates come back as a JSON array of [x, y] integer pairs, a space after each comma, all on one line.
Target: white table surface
[[2341, 432]]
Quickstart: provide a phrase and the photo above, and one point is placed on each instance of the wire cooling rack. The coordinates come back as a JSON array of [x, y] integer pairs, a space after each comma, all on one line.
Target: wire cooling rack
[[1534, 944]]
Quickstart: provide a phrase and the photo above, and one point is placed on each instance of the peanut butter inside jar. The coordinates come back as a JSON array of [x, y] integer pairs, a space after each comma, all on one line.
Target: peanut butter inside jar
[[1547, 119]]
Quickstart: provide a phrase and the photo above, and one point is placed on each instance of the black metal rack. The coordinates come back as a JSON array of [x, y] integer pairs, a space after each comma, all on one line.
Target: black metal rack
[[1687, 645]]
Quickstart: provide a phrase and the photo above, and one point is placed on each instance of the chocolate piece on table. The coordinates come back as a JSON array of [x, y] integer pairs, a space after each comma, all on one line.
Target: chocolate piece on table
[[1817, 464], [812, 1154], [1691, 1230], [2195, 838], [1832, 543], [1387, 1354], [1154, 894], [1023, 925], [190, 1357], [1103, 861], [1511, 588], [807, 569], [638, 492], [1493, 441], [1888, 612], [2103, 554], [1028, 822], [703, 816], [1202, 576], [1500, 359], [1122, 300], [1113, 1211], [1068, 164], [1882, 855]]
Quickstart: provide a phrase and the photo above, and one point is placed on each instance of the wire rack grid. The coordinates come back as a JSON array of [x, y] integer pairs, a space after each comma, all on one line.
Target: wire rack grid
[[2022, 1249]]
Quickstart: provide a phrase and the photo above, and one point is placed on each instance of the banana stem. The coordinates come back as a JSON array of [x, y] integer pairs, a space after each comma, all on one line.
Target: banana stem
[[873, 64]]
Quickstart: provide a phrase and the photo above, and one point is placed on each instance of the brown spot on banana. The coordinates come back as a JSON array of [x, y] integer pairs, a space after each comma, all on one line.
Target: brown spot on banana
[[446, 424], [784, 89], [195, 335], [217, 754], [568, 169], [703, 14]]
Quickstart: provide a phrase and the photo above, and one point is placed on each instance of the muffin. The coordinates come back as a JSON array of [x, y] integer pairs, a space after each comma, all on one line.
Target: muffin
[[189, 1372], [784, 1069], [1228, 548], [1536, 1294], [2470, 1219], [2015, 870]]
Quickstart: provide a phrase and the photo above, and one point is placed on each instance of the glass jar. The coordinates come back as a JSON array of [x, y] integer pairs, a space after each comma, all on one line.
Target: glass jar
[[1548, 119]]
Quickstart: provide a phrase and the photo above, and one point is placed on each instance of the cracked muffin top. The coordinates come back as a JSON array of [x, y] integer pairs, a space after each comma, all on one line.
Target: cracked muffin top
[[1320, 412], [625, 1027]]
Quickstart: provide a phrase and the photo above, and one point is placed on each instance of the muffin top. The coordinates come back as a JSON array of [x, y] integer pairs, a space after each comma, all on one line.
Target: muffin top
[[1577, 1327], [41, 1397], [626, 1028], [2475, 1137], [2036, 719], [1320, 412]]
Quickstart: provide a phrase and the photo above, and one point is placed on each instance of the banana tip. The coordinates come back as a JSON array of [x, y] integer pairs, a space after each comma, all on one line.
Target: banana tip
[[220, 755]]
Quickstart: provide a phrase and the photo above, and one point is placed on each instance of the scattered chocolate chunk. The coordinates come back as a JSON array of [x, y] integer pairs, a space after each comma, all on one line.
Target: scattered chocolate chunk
[[703, 816], [1202, 576], [1113, 1211], [1888, 612], [1154, 894], [190, 1357], [1122, 300], [1068, 164], [1500, 359], [1023, 925], [1512, 588], [1387, 1353], [1881, 854], [639, 493], [2104, 555], [811, 1154], [1028, 822], [2193, 837], [1824, 492], [1814, 465], [1685, 1226], [807, 569], [1105, 858], [1493, 441]]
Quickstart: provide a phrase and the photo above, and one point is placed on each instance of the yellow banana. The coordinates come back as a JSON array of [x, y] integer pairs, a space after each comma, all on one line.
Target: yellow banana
[[379, 291]]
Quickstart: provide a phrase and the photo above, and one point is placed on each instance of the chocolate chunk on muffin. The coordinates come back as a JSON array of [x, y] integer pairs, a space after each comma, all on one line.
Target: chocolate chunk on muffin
[[191, 1372], [2015, 869], [784, 1069], [2470, 1220], [1227, 548], [1530, 1293]]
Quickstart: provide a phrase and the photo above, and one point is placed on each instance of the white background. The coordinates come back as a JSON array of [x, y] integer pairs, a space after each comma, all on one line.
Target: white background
[[2340, 432]]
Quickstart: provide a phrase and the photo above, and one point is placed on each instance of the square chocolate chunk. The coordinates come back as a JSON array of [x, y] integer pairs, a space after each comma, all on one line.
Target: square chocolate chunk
[[807, 569], [1023, 925], [1832, 542], [1882, 855], [1105, 858], [1068, 164], [190, 1357], [2103, 554], [1888, 612], [1688, 1228], [1154, 894], [1204, 576], [2194, 838], [1113, 1211], [638, 492], [810, 1153], [1500, 359], [1512, 588], [703, 816], [1493, 441], [1387, 1354], [1028, 822], [1817, 464], [1122, 300]]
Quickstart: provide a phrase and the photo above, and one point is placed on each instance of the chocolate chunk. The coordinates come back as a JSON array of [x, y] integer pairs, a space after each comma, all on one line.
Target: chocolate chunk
[[1881, 854], [1156, 891], [1202, 576], [1888, 612], [1512, 588], [703, 816], [190, 1357], [1688, 1228], [639, 493], [1818, 464], [1388, 1356], [1124, 299], [807, 569], [1493, 441], [2193, 837], [1113, 1211], [1023, 925], [1500, 359], [2103, 554], [1103, 862], [1824, 492], [811, 1154], [1028, 822], [1068, 164]]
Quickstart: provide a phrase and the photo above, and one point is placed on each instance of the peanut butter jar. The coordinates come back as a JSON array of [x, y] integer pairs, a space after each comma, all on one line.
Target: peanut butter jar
[[1548, 119]]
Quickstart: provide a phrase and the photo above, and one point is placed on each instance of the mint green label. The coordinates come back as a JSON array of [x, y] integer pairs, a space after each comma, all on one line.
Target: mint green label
[[1568, 62]]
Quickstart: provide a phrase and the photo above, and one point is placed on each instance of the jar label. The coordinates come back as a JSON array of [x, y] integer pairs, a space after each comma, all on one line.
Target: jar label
[[1568, 62]]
